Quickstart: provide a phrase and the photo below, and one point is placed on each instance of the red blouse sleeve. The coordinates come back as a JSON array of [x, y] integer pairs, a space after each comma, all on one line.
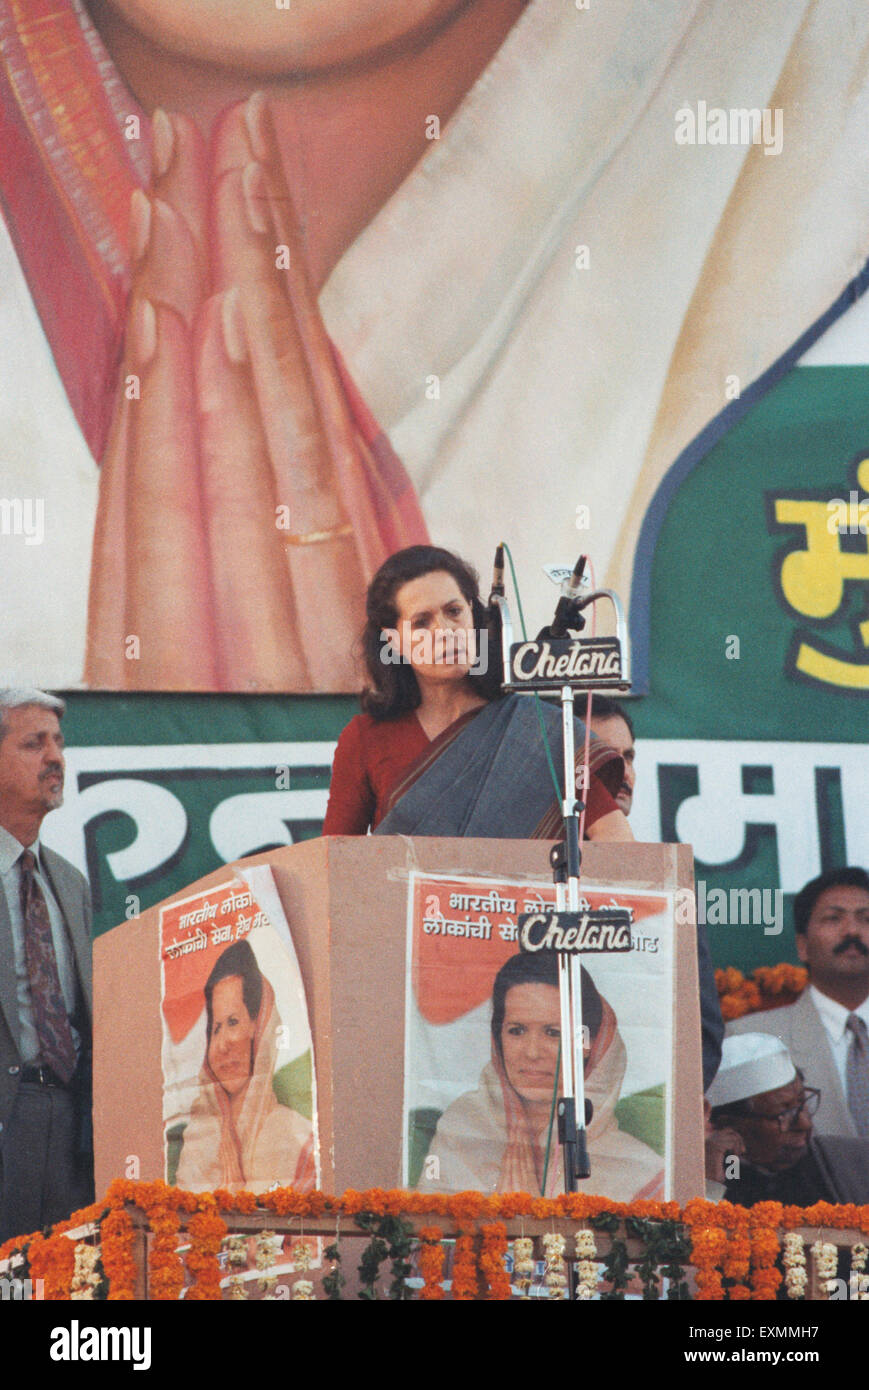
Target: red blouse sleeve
[[351, 796]]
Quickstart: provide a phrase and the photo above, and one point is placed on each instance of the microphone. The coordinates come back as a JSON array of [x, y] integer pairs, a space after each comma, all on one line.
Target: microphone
[[567, 614], [498, 574], [494, 622]]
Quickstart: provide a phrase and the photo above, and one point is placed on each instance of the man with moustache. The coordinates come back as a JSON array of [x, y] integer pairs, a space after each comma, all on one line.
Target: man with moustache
[[614, 725], [825, 1031], [46, 1148]]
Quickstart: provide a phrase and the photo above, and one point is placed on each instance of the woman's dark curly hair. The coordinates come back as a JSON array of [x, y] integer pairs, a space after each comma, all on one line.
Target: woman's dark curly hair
[[237, 959], [392, 686], [540, 968]]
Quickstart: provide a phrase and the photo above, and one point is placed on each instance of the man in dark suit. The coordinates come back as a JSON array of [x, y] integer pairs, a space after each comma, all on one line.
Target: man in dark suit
[[46, 1148]]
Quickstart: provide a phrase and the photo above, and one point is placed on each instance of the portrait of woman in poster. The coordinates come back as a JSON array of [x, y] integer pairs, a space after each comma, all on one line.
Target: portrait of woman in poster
[[239, 1135]]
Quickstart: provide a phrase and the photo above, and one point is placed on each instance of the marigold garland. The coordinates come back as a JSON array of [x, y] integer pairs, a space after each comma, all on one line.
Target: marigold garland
[[737, 1257], [117, 1235], [165, 1270], [52, 1259], [464, 1279], [492, 1258], [17, 1245], [767, 987], [708, 1246], [206, 1231], [766, 1277], [431, 1263], [735, 1251]]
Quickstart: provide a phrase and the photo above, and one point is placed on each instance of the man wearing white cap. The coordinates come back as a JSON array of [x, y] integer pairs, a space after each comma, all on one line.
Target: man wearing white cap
[[761, 1099]]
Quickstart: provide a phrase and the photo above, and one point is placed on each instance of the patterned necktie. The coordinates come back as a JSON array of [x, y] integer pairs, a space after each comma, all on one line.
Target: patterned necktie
[[49, 1010], [857, 1074]]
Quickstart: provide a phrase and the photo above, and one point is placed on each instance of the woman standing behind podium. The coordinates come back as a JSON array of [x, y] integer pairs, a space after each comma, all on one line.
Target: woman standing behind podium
[[437, 749]]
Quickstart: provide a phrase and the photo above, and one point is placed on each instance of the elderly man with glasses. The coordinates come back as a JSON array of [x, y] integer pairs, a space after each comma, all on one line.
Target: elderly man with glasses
[[760, 1145]]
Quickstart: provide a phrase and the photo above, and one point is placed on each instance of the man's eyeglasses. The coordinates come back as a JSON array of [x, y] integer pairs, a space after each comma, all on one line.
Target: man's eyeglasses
[[786, 1119]]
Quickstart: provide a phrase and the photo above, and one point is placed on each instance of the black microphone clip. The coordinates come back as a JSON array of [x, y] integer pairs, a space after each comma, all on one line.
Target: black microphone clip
[[568, 611]]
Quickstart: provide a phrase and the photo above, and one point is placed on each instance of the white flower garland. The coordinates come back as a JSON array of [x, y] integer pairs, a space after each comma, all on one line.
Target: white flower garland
[[555, 1277], [267, 1248], [267, 1245], [859, 1285], [85, 1278], [586, 1267], [303, 1289], [825, 1258], [302, 1256], [796, 1274], [236, 1250], [523, 1264]]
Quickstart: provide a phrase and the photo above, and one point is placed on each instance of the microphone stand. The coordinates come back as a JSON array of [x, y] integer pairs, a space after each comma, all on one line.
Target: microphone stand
[[565, 856], [566, 859]]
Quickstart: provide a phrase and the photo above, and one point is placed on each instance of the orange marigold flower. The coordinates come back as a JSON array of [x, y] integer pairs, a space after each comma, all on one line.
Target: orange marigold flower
[[765, 1214], [465, 1207], [729, 980]]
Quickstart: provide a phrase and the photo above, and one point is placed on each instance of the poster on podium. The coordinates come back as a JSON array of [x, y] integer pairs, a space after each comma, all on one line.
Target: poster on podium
[[239, 1091], [483, 1025]]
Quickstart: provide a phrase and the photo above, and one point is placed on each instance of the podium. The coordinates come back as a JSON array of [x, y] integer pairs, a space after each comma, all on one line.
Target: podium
[[395, 947]]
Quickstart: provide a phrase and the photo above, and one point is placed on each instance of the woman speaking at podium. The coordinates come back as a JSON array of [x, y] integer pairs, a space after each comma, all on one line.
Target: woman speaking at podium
[[438, 750]]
